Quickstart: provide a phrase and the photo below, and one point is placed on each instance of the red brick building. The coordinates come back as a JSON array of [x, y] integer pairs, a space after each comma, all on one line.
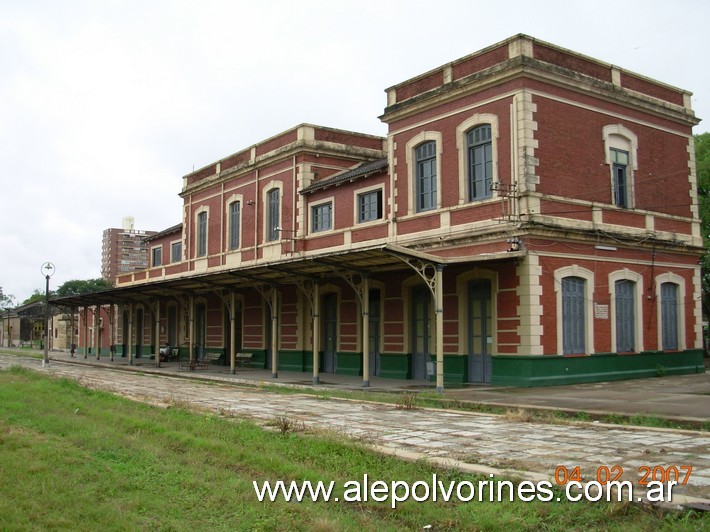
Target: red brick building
[[529, 219]]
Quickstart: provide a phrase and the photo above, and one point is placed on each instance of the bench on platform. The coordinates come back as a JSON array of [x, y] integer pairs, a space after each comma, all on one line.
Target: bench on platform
[[242, 359], [201, 363]]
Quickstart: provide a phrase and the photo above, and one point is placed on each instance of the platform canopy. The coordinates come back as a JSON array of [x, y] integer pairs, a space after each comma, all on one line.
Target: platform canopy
[[365, 261]]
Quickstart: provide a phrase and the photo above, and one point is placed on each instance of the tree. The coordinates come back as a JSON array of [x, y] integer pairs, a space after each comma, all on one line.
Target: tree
[[36, 296], [77, 286], [702, 158], [6, 301]]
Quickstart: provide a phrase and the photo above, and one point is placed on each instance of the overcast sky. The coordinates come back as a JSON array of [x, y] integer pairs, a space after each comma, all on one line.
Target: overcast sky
[[105, 105]]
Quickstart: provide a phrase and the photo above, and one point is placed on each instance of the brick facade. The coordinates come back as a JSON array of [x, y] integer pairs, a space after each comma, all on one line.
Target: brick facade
[[582, 240]]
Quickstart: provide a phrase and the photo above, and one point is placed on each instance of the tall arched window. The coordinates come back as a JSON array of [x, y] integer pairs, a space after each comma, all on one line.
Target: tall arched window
[[202, 234], [480, 162], [669, 316], [234, 224], [425, 160], [625, 319], [573, 315], [273, 214], [621, 146]]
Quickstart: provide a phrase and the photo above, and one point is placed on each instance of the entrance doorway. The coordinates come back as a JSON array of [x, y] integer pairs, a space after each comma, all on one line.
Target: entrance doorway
[[421, 331], [200, 330], [139, 333], [330, 332], [480, 339], [374, 339]]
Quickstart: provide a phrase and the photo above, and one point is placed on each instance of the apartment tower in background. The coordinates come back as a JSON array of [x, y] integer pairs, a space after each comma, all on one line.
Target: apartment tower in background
[[123, 250]]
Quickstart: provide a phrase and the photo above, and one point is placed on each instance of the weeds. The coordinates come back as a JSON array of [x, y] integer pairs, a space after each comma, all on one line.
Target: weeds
[[285, 425], [406, 401]]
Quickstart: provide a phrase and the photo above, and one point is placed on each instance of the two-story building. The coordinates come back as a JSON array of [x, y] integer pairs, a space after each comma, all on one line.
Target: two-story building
[[530, 218]]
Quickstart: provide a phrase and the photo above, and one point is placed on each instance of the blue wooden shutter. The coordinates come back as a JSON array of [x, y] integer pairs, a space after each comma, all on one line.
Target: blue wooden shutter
[[625, 316], [573, 318], [669, 315]]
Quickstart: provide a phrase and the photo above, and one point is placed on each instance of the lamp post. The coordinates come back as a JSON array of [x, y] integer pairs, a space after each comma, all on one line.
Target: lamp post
[[47, 270]]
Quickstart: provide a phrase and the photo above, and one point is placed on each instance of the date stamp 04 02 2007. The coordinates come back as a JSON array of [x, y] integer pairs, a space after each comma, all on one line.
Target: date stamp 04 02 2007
[[679, 474]]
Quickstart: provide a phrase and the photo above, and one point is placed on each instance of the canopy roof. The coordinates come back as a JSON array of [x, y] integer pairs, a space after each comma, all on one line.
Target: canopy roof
[[375, 259]]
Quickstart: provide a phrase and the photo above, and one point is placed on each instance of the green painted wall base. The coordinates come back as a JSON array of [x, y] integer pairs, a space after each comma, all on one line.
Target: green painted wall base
[[553, 370], [348, 363], [395, 366], [292, 360], [258, 358]]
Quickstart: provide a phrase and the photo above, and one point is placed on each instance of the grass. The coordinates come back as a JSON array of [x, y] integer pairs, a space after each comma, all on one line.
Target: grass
[[80, 459]]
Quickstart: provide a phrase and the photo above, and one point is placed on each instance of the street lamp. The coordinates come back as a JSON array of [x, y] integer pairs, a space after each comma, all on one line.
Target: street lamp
[[47, 270]]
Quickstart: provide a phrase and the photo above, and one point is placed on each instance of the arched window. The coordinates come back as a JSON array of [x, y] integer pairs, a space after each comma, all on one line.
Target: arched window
[[573, 315], [480, 162], [202, 234], [670, 292], [273, 214], [574, 288], [669, 316], [625, 319], [621, 145], [425, 161], [234, 224]]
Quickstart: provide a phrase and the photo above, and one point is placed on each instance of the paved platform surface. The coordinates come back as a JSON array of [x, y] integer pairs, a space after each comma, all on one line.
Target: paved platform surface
[[685, 397], [475, 442]]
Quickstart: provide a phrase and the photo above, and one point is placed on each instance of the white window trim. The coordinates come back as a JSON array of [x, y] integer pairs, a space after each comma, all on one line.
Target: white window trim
[[182, 250], [265, 203], [588, 276], [627, 275], [676, 279], [319, 203], [621, 138], [227, 203], [197, 213], [152, 251], [356, 207], [462, 148], [412, 144]]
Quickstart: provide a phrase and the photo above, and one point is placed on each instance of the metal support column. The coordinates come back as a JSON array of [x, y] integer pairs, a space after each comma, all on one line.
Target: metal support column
[[191, 343], [365, 332], [316, 333], [156, 347], [232, 333], [130, 334], [87, 342], [274, 334], [439, 310], [97, 331]]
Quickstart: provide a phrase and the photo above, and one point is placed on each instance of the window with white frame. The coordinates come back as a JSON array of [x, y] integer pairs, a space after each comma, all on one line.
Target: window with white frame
[[369, 206], [670, 291], [620, 176], [157, 256], [621, 147], [669, 316], [480, 162], [574, 287], [626, 311], [234, 224], [425, 175], [322, 217], [273, 198], [573, 315], [176, 251], [625, 315], [202, 234]]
